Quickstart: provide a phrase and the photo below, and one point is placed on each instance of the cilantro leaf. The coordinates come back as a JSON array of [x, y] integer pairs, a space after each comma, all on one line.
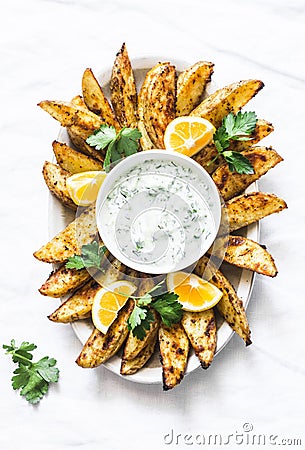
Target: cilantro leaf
[[238, 163], [31, 378], [169, 308], [92, 256], [102, 137]]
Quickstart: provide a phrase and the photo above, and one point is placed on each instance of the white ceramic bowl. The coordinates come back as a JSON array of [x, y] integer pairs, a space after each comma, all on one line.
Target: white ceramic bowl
[[198, 182]]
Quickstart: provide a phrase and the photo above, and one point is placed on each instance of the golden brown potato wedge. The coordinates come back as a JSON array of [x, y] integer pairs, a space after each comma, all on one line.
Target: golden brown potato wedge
[[228, 99], [174, 349], [63, 281], [157, 101], [247, 254], [191, 84], [132, 366], [78, 139], [205, 156], [133, 345], [123, 90], [70, 241], [74, 161], [55, 178], [231, 184], [249, 208], [145, 141], [200, 328], [101, 347], [79, 102], [96, 100], [230, 306], [79, 305]]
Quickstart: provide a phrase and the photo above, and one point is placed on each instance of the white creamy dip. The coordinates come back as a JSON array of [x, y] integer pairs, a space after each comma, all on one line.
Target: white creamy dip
[[157, 215]]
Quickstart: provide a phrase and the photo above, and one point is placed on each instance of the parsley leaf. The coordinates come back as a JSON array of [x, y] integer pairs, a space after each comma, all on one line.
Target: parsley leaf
[[239, 128], [123, 143], [102, 137], [169, 308], [32, 378], [139, 321], [92, 256]]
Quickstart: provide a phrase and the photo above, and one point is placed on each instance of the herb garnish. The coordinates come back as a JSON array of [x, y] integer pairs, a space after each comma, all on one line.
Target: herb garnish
[[123, 143], [32, 378], [237, 127], [167, 305], [91, 256]]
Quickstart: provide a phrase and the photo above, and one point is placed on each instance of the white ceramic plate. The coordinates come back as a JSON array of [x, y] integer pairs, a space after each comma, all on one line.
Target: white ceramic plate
[[242, 280]]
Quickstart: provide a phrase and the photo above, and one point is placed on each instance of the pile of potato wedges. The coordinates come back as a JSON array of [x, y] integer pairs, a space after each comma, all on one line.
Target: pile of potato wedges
[[164, 95]]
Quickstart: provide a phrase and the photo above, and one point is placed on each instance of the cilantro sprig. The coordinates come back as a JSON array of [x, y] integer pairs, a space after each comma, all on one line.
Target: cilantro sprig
[[91, 257], [166, 304], [123, 143], [237, 127], [32, 378]]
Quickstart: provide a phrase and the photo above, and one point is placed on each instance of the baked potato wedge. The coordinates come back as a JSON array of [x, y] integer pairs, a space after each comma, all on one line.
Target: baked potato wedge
[[74, 161], [200, 328], [174, 349], [96, 100], [55, 178], [228, 99], [133, 345], [70, 241], [247, 254], [101, 347], [249, 208], [157, 101], [79, 305], [205, 156], [78, 139], [231, 184], [191, 84], [63, 281], [230, 306], [79, 102], [133, 365], [123, 90]]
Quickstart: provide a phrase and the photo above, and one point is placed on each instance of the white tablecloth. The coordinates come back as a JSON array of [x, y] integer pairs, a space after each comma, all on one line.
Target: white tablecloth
[[45, 46]]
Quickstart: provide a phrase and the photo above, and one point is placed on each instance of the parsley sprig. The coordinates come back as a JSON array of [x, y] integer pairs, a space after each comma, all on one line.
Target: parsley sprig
[[91, 256], [237, 127], [166, 304], [123, 143], [33, 378]]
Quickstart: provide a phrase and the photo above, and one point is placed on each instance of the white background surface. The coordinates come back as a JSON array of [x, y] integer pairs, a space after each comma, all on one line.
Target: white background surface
[[45, 46]]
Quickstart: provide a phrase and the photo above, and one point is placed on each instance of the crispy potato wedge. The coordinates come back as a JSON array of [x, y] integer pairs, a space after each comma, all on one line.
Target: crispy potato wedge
[[205, 156], [79, 101], [157, 101], [101, 347], [191, 84], [132, 366], [247, 254], [123, 90], [249, 208], [96, 100], [145, 141], [55, 178], [231, 184], [200, 328], [74, 161], [79, 305], [70, 241], [228, 99], [174, 349], [133, 345], [230, 306], [63, 281], [78, 138]]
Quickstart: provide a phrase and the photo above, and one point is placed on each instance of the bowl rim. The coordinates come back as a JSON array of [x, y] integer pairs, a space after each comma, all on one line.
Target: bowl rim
[[135, 159]]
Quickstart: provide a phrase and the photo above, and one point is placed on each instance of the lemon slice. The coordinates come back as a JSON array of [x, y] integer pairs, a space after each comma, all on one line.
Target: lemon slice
[[108, 302], [188, 134], [83, 187], [195, 294]]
